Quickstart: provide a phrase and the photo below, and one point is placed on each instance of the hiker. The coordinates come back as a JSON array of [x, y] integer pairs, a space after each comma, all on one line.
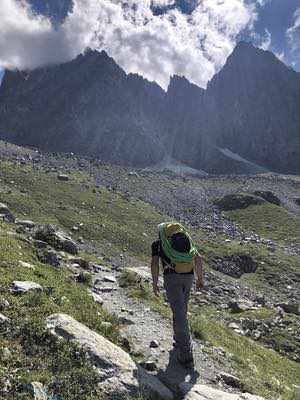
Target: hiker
[[180, 261]]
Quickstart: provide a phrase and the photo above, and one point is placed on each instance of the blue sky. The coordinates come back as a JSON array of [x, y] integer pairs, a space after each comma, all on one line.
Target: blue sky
[[277, 16], [155, 38]]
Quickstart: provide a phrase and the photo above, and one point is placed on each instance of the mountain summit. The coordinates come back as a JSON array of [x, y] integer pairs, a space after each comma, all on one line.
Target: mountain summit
[[246, 121]]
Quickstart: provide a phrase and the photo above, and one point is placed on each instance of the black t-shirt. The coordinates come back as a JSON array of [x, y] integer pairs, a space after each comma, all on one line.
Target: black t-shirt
[[157, 250]]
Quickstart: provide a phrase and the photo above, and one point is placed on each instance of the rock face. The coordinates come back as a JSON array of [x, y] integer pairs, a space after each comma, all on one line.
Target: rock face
[[120, 376], [246, 121], [58, 240], [111, 116], [201, 392]]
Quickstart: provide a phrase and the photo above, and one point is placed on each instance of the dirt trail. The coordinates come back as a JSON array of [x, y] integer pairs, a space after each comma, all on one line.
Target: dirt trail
[[143, 325]]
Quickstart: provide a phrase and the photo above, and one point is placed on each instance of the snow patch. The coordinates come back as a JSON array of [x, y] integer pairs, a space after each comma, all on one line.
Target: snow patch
[[236, 157], [171, 165]]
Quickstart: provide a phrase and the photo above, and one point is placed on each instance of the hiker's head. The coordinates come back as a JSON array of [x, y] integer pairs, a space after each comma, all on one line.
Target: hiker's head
[[180, 242]]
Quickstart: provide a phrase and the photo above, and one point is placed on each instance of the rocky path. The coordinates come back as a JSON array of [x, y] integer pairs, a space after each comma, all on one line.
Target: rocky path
[[150, 335]]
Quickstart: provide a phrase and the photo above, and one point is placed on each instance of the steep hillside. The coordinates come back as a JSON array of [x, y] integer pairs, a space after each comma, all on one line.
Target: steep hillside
[[245, 322]]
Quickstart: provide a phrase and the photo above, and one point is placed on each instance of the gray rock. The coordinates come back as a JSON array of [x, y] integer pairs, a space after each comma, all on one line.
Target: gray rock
[[98, 299], [110, 279], [25, 286], [154, 344], [63, 177], [6, 213], [202, 392], [50, 257], [4, 304], [239, 306], [120, 376], [57, 239], [230, 380], [3, 319], [26, 223], [81, 262], [104, 289], [38, 391], [26, 265]]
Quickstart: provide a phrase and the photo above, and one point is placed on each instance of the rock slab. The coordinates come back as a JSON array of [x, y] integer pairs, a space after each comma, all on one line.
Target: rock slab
[[120, 376], [202, 392], [25, 286]]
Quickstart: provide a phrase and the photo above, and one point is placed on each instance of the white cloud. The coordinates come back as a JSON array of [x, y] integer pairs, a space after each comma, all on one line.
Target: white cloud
[[266, 40], [162, 3], [280, 56], [156, 47], [293, 34]]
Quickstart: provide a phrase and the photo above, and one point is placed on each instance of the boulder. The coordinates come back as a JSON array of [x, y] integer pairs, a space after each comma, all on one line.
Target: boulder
[[50, 257], [26, 223], [202, 392], [268, 196], [230, 380], [119, 374], [238, 201], [63, 177], [57, 239], [26, 265], [3, 319], [240, 306], [6, 214], [38, 391], [81, 262], [25, 286]]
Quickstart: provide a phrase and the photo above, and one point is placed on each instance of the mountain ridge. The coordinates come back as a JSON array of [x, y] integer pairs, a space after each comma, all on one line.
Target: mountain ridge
[[249, 107]]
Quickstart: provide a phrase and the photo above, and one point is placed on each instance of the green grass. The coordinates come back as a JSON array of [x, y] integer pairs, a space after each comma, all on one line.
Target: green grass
[[35, 354], [263, 371], [269, 221], [109, 219]]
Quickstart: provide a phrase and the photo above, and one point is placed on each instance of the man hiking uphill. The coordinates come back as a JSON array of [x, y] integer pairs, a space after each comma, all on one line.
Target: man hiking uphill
[[180, 260]]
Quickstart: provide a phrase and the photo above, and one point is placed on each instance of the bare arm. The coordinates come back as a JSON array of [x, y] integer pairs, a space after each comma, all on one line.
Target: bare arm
[[155, 274], [199, 272]]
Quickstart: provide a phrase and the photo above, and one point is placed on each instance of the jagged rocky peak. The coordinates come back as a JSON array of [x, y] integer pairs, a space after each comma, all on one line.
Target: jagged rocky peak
[[178, 82], [249, 111], [252, 65]]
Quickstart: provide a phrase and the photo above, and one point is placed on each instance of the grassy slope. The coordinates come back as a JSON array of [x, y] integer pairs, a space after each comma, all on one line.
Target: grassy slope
[[128, 226], [35, 355], [107, 217], [269, 221]]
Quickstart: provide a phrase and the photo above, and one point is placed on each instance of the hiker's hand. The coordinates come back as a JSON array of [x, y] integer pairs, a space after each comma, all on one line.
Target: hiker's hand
[[199, 284], [156, 290]]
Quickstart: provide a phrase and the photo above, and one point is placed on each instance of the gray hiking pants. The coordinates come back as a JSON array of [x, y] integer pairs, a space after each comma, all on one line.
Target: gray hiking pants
[[178, 288]]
